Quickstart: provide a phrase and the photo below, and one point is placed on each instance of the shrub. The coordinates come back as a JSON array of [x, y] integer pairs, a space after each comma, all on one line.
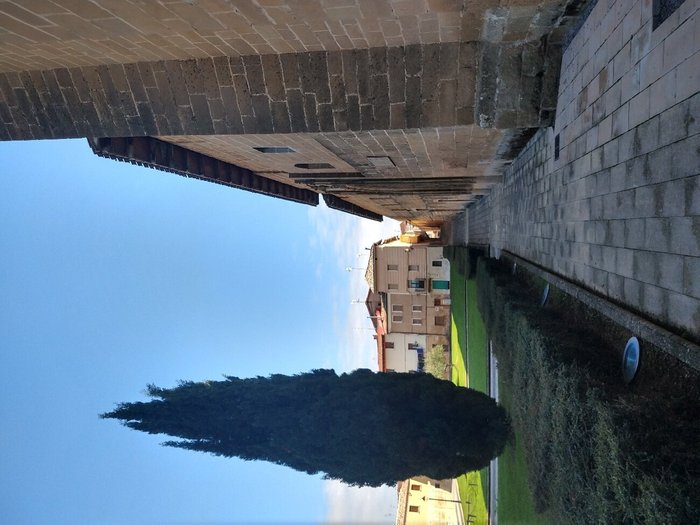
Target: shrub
[[597, 452], [436, 362]]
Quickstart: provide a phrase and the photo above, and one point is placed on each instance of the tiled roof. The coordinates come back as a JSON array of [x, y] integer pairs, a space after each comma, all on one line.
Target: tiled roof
[[380, 353], [369, 273], [403, 502], [370, 277]]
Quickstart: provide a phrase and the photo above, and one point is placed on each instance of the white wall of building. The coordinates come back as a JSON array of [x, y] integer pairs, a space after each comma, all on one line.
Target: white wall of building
[[399, 356]]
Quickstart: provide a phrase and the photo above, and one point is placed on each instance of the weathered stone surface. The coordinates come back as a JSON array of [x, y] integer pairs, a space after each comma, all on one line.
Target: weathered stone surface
[[296, 110], [247, 94], [397, 74], [109, 32], [274, 81], [311, 112]]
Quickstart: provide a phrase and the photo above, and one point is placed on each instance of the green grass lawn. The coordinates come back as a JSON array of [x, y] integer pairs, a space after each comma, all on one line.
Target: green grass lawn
[[469, 369], [469, 346], [477, 344]]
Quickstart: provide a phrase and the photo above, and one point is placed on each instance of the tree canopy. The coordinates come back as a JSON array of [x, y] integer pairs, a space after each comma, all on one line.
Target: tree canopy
[[363, 428]]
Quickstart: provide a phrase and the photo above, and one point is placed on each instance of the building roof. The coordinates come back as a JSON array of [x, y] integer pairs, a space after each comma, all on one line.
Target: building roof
[[381, 337], [369, 273], [179, 155], [377, 314], [381, 357], [370, 276], [402, 487]]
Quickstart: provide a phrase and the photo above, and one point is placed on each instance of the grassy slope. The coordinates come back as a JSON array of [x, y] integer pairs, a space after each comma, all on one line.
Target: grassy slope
[[515, 506], [597, 451], [471, 485]]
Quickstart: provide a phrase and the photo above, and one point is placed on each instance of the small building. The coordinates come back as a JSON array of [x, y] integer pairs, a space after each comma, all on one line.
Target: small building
[[408, 299], [425, 501]]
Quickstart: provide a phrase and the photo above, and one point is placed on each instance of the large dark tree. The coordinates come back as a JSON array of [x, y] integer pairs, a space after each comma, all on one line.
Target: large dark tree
[[362, 428]]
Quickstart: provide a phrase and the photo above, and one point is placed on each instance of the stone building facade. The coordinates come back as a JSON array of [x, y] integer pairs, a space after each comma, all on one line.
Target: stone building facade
[[406, 108]]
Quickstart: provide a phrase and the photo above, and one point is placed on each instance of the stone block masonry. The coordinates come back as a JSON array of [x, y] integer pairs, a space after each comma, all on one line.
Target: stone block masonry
[[514, 88], [349, 73], [319, 91], [432, 173], [618, 210], [49, 34]]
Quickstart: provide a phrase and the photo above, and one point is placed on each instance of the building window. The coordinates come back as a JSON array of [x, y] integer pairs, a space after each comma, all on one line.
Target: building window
[[439, 320], [437, 485], [437, 302], [390, 370], [314, 166], [663, 9], [416, 284], [388, 344], [437, 264], [397, 318], [274, 149], [417, 322], [413, 267], [556, 147], [381, 162], [413, 346], [397, 308], [439, 284], [415, 487], [413, 508], [393, 286], [417, 308], [392, 267]]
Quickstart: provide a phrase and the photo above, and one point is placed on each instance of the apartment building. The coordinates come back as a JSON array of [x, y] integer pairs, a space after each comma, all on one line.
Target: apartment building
[[409, 280]]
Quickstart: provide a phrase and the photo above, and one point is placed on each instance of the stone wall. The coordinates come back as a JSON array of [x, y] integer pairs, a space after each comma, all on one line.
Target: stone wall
[[367, 78], [432, 173], [378, 88], [39, 34], [70, 68]]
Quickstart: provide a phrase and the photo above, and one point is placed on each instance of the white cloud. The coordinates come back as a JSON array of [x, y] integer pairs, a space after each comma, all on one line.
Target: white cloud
[[350, 505], [345, 236]]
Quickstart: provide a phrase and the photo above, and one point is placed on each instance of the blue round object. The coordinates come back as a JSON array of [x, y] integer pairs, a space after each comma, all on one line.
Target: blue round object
[[630, 360], [545, 295]]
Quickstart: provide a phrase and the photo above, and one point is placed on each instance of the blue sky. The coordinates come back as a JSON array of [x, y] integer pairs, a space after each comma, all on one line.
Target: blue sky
[[114, 276]]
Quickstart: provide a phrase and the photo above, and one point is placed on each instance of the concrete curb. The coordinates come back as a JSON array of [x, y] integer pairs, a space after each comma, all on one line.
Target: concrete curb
[[493, 468]]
